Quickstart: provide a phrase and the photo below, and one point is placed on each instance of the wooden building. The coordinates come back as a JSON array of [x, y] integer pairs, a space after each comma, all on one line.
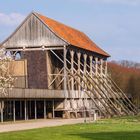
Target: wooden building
[[59, 72]]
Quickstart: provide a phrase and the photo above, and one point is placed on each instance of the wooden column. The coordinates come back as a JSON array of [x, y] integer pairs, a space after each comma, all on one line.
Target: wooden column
[[25, 109], [14, 116], [91, 65], [44, 109], [85, 69], [65, 75], [79, 64], [106, 70], [30, 110], [96, 65], [1, 110], [72, 66], [72, 81], [91, 74], [53, 109], [85, 64], [35, 110], [101, 67]]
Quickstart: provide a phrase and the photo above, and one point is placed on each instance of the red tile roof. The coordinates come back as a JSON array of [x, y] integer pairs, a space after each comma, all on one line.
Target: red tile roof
[[72, 36]]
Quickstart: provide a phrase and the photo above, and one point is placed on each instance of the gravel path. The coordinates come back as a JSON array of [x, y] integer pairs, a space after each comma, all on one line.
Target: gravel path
[[26, 125]]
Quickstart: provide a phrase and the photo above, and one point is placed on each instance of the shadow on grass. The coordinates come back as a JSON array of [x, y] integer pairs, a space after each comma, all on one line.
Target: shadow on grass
[[109, 135]]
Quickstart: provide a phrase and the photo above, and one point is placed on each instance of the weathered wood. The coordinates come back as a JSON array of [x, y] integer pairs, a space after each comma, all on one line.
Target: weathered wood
[[65, 74], [114, 96], [1, 110], [25, 109], [106, 105], [56, 76], [100, 82], [53, 113], [102, 111], [123, 96], [45, 109], [14, 115], [95, 94], [99, 90], [79, 57], [120, 104], [120, 93], [35, 109], [33, 32]]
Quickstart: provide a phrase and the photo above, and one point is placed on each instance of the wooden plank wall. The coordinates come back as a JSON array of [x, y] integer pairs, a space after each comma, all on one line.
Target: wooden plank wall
[[33, 33]]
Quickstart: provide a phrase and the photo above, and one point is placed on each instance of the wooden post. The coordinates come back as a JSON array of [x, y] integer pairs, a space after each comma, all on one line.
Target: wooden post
[[96, 73], [1, 110], [85, 69], [35, 110], [79, 87], [101, 67], [95, 116], [85, 63], [91, 74], [72, 81], [65, 75], [10, 109], [72, 66], [106, 70], [25, 109], [53, 109], [85, 66], [30, 102], [27, 102], [91, 63], [44, 109], [14, 116], [96, 66]]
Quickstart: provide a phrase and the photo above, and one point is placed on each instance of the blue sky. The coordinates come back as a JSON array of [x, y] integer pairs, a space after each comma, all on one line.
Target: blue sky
[[112, 24]]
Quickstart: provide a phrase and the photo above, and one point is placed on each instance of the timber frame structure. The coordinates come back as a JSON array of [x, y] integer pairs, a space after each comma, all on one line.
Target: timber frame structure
[[60, 72]]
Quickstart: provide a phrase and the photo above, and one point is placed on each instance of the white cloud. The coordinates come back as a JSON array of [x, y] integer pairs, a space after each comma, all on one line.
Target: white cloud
[[11, 19]]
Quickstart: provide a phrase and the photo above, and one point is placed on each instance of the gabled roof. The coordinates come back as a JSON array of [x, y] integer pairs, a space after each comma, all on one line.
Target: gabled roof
[[71, 35]]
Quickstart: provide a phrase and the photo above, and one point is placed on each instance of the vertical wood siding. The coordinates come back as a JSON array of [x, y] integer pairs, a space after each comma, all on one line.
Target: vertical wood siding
[[33, 33]]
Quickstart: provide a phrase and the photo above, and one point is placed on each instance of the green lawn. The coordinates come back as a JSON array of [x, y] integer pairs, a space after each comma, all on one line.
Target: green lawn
[[126, 128]]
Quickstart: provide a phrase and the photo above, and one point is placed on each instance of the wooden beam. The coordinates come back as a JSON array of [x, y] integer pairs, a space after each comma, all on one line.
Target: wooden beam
[[34, 48], [102, 111], [113, 95]]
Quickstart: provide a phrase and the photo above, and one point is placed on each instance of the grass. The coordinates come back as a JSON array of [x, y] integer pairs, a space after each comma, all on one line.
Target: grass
[[125, 128]]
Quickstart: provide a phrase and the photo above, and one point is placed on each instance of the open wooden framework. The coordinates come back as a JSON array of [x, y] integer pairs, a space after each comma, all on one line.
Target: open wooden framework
[[76, 79]]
